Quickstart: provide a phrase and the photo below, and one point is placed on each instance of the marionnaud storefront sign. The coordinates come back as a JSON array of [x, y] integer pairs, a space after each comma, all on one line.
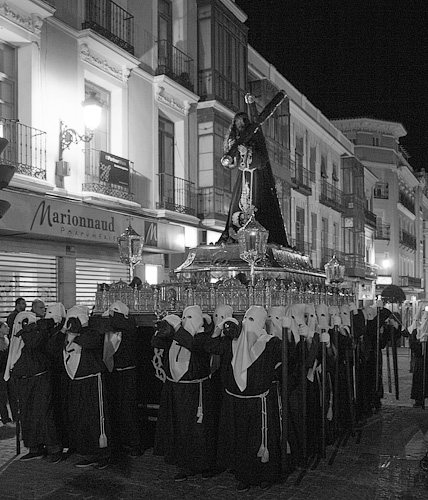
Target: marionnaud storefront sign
[[48, 217]]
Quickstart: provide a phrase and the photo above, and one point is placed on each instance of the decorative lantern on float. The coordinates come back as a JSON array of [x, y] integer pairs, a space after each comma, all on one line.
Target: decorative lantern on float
[[334, 272], [252, 240], [130, 245]]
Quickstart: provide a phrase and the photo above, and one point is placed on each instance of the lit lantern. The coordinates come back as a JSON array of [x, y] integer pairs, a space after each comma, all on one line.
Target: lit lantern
[[130, 245], [252, 240], [334, 272]]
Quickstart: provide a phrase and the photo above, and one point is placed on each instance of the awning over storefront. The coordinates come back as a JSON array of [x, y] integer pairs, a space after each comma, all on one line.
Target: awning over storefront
[[50, 218]]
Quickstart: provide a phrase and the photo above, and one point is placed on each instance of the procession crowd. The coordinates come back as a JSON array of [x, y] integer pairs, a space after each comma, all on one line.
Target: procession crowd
[[256, 397]]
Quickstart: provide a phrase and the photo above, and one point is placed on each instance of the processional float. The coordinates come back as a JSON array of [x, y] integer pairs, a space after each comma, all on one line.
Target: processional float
[[249, 271]]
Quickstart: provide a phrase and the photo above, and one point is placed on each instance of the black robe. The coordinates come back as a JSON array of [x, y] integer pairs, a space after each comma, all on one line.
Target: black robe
[[88, 399], [240, 433], [180, 437], [264, 197], [32, 377], [122, 386]]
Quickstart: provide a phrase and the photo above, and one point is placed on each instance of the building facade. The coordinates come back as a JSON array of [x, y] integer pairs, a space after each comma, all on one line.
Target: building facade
[[170, 76]]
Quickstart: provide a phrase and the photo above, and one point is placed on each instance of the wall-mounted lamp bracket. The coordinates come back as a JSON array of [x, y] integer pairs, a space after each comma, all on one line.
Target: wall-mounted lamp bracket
[[69, 136]]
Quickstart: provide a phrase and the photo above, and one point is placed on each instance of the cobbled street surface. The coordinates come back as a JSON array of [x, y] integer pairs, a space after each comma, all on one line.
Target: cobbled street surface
[[380, 461]]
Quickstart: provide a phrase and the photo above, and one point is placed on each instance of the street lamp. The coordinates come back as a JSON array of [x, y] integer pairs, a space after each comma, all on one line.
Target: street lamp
[[130, 245], [252, 240], [92, 107]]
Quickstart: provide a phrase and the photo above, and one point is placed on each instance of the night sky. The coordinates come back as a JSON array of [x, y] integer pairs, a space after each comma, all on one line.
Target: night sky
[[352, 58]]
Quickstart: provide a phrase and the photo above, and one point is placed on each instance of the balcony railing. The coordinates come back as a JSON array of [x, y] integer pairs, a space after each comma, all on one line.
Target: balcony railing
[[174, 63], [406, 201], [300, 177], [331, 196], [370, 218], [408, 239], [213, 203], [26, 149], [410, 281], [383, 231], [354, 265], [110, 21], [214, 85], [371, 271], [177, 195], [101, 177]]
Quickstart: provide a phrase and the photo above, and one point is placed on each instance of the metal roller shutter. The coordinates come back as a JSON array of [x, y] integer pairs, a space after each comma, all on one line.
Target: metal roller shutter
[[29, 276], [91, 272]]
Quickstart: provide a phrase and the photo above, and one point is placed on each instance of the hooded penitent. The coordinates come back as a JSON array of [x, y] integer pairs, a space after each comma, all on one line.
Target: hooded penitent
[[16, 343], [297, 314], [73, 351], [250, 344], [179, 357], [113, 339], [274, 320], [56, 312], [370, 313], [222, 312], [322, 316], [311, 318]]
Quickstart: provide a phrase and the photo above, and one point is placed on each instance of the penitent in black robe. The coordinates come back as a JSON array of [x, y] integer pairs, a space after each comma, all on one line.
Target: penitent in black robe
[[180, 438], [32, 377], [240, 433]]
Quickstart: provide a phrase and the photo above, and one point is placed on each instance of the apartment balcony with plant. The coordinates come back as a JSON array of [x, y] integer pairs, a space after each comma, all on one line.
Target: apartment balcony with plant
[[300, 177], [111, 21], [175, 64], [26, 149], [383, 231], [331, 196], [176, 194], [408, 240], [406, 201]]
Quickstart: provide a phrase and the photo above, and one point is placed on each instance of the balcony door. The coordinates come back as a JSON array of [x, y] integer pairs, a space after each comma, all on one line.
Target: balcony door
[[164, 36], [166, 163]]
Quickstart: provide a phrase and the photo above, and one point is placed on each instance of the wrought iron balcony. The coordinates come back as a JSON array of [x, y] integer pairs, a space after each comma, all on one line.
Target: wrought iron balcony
[[213, 203], [107, 174], [408, 239], [174, 63], [331, 196], [371, 271], [410, 281], [26, 149], [370, 218], [300, 177], [110, 21], [383, 231], [406, 201], [177, 195], [354, 265], [214, 85]]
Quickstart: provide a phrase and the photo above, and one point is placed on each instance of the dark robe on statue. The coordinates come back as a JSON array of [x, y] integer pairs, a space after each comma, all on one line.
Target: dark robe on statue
[[183, 436], [240, 433], [255, 185]]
